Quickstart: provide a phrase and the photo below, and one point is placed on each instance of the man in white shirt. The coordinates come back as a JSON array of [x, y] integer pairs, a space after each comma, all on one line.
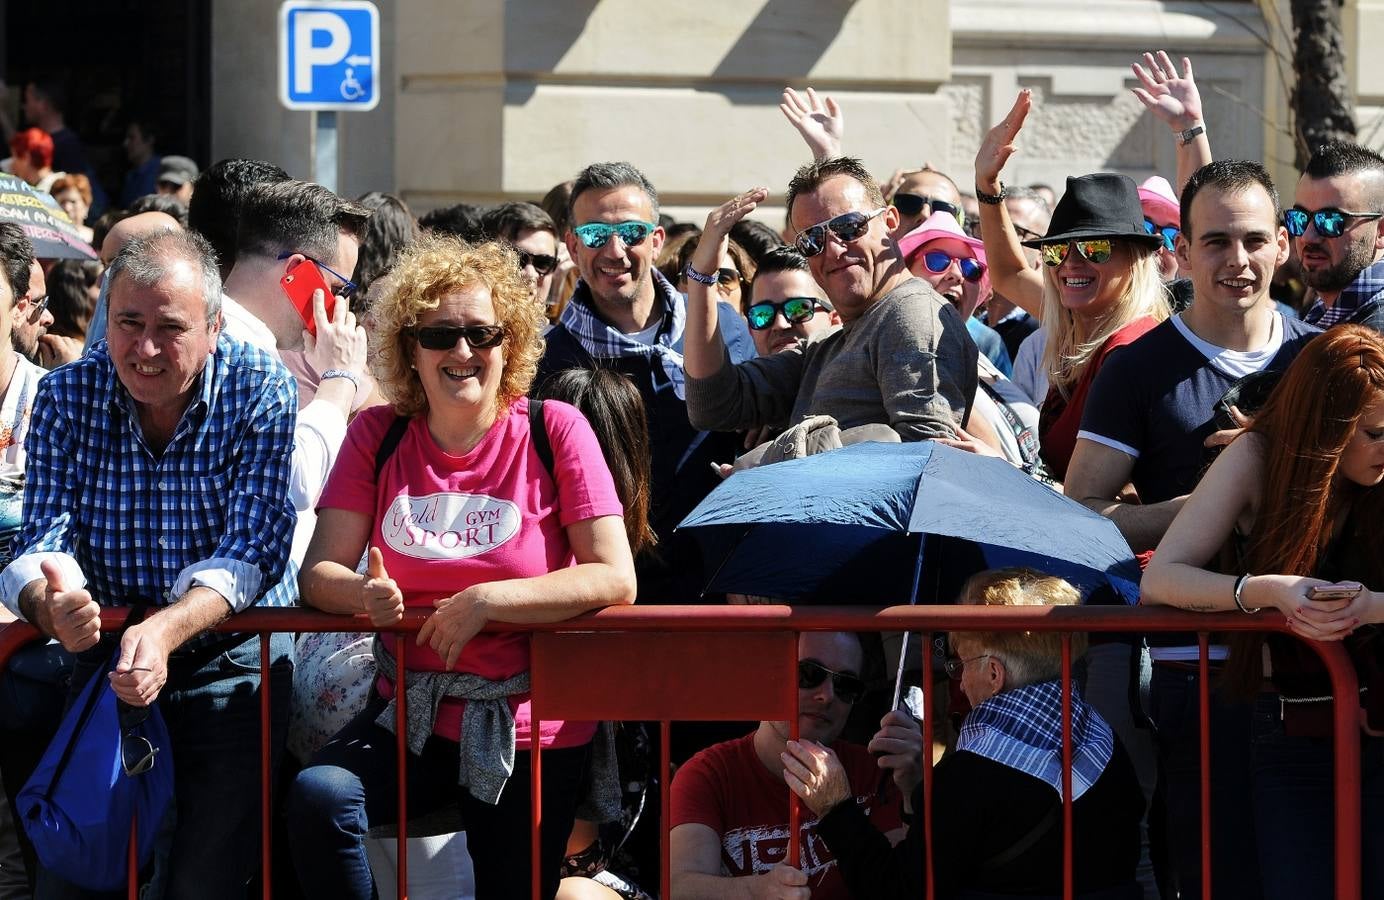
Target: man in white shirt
[[281, 225]]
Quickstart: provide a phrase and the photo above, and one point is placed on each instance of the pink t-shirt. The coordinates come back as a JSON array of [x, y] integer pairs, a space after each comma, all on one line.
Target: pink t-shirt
[[444, 523]]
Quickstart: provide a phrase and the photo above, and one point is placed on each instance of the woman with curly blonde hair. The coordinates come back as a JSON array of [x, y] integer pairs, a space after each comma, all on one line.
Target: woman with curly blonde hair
[[460, 509]]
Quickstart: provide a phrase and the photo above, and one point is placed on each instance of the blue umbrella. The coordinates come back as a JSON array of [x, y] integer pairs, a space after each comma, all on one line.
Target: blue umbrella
[[891, 524]]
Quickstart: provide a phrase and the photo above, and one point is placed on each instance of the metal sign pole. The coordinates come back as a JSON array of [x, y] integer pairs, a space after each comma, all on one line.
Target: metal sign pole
[[324, 148]]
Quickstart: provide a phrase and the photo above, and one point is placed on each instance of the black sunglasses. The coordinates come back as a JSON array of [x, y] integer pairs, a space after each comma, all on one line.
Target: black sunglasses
[[543, 263], [795, 309], [848, 688], [444, 337], [847, 227], [912, 204]]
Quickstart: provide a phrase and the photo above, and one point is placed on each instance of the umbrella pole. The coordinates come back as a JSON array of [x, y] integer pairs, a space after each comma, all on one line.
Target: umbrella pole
[[903, 646]]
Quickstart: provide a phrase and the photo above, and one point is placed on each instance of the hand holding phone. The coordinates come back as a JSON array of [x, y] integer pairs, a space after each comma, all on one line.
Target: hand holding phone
[[1343, 590], [298, 284]]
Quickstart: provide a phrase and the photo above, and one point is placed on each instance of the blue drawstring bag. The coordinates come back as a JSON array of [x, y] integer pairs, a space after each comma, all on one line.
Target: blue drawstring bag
[[105, 765]]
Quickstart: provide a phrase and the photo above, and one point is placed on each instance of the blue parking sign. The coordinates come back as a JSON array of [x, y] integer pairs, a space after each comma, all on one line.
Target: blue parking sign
[[329, 55]]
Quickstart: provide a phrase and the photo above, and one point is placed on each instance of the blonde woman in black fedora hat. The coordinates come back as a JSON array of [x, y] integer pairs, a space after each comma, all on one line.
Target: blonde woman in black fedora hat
[[1098, 289]]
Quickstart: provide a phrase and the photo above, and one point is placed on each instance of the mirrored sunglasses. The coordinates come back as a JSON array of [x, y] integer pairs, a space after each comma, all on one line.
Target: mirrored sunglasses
[[593, 235], [444, 337], [848, 688], [939, 261], [1328, 222], [794, 309], [847, 227], [137, 753], [543, 263], [913, 204], [1168, 233], [1095, 251]]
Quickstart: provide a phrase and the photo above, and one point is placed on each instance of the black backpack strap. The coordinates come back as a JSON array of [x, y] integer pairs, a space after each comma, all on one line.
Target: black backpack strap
[[389, 443], [1025, 843], [538, 433]]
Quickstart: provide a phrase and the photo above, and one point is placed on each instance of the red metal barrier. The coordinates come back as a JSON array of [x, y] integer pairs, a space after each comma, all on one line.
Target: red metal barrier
[[662, 663]]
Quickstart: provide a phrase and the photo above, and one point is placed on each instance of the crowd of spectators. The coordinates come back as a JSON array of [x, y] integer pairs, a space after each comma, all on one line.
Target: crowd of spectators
[[264, 394]]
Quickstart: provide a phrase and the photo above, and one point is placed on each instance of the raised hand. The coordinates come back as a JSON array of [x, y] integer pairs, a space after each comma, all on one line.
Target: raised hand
[[71, 616], [715, 237], [822, 124], [999, 144], [380, 595], [1171, 97]]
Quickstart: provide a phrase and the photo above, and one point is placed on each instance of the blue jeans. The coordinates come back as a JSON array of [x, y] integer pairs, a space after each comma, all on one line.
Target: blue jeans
[[352, 785], [1294, 800], [209, 844], [1175, 708]]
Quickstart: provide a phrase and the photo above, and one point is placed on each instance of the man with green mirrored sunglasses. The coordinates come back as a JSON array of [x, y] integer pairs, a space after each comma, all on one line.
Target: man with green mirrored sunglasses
[[1337, 230], [625, 316]]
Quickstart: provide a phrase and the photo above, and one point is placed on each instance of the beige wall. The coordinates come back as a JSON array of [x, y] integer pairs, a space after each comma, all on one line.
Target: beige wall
[[487, 99], [517, 96]]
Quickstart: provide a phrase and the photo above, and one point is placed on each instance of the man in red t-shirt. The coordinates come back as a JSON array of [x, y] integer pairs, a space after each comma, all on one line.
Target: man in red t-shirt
[[730, 802]]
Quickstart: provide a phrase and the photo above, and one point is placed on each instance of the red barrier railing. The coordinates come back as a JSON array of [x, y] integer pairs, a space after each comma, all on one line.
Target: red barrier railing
[[738, 662]]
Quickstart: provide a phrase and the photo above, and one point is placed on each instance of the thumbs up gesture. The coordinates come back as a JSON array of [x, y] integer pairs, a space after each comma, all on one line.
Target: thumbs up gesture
[[70, 616], [380, 596]]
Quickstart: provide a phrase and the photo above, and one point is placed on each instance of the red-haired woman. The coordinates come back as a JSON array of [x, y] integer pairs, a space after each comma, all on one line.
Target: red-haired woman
[[1299, 497], [32, 158]]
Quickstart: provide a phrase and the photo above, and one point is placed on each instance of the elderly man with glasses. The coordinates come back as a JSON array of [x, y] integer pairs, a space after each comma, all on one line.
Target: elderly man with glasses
[[902, 358], [997, 800]]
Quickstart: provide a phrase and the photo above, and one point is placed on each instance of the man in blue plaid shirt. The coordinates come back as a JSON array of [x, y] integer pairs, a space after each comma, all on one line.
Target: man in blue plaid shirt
[[158, 472]]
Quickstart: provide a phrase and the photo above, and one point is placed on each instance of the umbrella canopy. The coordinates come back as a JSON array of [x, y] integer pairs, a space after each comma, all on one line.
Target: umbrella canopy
[[887, 524], [42, 219]]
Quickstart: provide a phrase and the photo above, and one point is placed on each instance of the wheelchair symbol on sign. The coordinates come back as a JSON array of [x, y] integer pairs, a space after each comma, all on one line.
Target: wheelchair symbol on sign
[[351, 89]]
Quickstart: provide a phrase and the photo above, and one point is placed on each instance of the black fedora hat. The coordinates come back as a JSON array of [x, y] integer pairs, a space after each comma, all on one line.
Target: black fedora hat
[[1103, 205]]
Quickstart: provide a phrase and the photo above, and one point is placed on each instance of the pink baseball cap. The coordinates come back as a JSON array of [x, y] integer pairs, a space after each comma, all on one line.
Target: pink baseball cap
[[939, 226], [1159, 202]]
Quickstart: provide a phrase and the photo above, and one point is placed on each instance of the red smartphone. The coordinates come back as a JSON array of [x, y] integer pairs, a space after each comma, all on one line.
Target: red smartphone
[[298, 283], [1346, 590]]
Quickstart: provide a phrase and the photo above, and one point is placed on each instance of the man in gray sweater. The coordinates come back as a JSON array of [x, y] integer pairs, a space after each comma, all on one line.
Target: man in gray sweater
[[902, 356]]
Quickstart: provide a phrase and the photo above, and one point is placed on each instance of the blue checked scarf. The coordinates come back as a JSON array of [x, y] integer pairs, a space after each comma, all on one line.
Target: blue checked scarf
[[601, 341], [1362, 290], [1022, 729]]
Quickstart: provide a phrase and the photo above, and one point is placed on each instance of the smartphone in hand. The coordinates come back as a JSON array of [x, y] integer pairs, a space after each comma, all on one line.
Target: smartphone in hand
[[298, 284], [1345, 590]]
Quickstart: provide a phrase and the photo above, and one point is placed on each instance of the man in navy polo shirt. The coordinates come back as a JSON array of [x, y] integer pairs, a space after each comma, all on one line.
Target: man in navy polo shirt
[[1151, 412]]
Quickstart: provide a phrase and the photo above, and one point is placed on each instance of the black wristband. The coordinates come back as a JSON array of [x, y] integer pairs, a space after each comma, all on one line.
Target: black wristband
[[991, 199]]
